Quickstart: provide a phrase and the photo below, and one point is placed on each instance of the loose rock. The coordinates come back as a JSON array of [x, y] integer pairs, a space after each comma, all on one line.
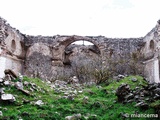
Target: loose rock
[[2, 90], [1, 114], [8, 97], [6, 83], [19, 85], [1, 80], [39, 102], [134, 79], [73, 117], [142, 105]]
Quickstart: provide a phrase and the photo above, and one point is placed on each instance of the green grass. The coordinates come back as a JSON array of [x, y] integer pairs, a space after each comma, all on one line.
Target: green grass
[[127, 80], [156, 104], [102, 102]]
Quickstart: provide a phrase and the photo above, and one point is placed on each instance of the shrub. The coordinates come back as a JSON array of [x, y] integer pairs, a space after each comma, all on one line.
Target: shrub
[[95, 69]]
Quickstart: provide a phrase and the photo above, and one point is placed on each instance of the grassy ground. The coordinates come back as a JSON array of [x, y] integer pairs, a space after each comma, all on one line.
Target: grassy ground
[[101, 103]]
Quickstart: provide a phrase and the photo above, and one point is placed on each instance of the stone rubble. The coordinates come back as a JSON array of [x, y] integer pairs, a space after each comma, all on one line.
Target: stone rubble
[[142, 96], [122, 91], [69, 89]]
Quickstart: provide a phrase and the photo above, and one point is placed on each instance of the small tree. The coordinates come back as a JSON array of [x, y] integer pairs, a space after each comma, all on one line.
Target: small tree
[[89, 69], [81, 67]]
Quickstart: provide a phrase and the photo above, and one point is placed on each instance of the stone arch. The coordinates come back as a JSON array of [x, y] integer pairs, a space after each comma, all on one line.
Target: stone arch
[[65, 43], [13, 45], [72, 39]]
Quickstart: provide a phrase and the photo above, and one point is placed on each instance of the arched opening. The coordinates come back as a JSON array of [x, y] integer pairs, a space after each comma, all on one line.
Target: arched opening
[[78, 49], [79, 58], [82, 42], [13, 45], [151, 45]]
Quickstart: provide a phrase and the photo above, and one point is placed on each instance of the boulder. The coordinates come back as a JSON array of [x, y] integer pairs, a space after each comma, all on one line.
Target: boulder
[[120, 76], [7, 77], [19, 85], [25, 114], [20, 77], [1, 114], [129, 96], [157, 91], [7, 83], [39, 102], [26, 83], [73, 80], [8, 97], [2, 90], [11, 73], [85, 99], [60, 83], [152, 86], [134, 79], [70, 97], [69, 118], [90, 116], [73, 117], [1, 80], [75, 92], [80, 91], [25, 91]]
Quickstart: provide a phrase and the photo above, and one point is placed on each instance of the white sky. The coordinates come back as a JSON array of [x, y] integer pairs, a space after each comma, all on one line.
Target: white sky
[[110, 18]]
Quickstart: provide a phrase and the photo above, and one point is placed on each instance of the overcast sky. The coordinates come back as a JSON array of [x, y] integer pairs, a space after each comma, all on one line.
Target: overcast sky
[[110, 18]]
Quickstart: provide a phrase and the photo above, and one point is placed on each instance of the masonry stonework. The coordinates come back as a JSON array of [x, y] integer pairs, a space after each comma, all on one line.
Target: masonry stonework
[[41, 56]]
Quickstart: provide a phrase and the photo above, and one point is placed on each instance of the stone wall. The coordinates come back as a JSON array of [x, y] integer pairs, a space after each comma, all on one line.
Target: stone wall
[[53, 50], [151, 53], [45, 55], [12, 49]]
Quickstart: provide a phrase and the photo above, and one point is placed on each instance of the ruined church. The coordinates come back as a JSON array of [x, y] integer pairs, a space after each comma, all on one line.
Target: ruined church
[[44, 55]]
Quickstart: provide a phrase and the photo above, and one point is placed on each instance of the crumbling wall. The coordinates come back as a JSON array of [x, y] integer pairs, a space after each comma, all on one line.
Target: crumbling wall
[[46, 56], [12, 48], [151, 53], [54, 53], [38, 62], [125, 53]]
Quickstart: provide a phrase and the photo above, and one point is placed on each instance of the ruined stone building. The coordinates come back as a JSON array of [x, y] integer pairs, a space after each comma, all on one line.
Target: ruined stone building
[[27, 54]]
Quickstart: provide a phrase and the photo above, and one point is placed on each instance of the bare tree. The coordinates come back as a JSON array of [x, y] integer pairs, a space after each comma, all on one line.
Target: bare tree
[[91, 69]]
